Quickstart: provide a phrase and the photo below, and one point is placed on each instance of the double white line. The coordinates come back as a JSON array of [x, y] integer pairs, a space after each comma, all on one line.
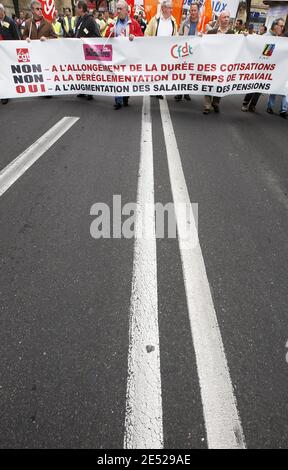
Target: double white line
[[143, 424]]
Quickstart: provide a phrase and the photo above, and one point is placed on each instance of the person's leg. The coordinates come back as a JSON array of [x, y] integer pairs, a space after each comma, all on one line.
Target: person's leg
[[270, 104], [254, 100], [284, 107], [215, 103], [207, 104], [118, 102]]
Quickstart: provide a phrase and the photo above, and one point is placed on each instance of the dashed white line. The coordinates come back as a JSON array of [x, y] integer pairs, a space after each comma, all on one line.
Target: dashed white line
[[143, 420], [223, 426], [25, 160]]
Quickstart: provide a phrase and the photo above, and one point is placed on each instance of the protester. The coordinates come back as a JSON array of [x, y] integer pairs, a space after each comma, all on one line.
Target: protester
[[163, 24], [57, 25], [262, 30], [238, 26], [21, 22], [277, 29], [124, 26], [105, 22], [224, 28], [69, 23], [143, 24], [86, 27], [8, 32], [189, 28], [37, 27]]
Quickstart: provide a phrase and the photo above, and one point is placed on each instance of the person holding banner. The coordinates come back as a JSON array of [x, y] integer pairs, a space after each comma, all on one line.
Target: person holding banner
[[124, 26], [8, 31], [86, 27], [189, 28], [277, 29], [163, 24], [223, 28], [37, 27]]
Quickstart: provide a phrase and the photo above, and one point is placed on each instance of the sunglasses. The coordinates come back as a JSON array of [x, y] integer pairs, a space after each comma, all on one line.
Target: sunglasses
[[38, 8]]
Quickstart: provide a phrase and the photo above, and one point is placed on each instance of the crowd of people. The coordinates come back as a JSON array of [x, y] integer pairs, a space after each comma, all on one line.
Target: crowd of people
[[85, 23]]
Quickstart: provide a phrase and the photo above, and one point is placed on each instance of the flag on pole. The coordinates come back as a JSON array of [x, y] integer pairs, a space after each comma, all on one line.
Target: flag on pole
[[206, 15], [48, 9]]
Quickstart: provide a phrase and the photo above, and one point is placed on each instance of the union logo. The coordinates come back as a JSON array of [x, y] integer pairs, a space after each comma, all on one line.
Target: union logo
[[23, 55]]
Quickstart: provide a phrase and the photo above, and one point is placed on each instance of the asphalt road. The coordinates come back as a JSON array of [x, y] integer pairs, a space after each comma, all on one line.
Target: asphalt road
[[65, 296]]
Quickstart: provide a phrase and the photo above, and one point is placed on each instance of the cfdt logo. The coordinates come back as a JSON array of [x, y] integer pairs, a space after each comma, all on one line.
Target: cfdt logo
[[268, 50], [23, 55], [178, 51]]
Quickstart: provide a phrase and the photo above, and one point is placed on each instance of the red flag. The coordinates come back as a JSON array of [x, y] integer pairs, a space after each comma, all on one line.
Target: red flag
[[206, 15], [48, 9], [132, 6]]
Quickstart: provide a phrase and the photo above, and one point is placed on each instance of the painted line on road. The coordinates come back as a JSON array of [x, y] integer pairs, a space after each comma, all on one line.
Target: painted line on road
[[143, 419], [12, 172], [222, 421]]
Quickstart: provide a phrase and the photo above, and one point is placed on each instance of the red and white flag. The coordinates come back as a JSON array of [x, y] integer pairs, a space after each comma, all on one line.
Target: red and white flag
[[48, 9]]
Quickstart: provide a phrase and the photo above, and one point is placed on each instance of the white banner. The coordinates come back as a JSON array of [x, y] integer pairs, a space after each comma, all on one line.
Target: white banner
[[209, 65], [218, 6]]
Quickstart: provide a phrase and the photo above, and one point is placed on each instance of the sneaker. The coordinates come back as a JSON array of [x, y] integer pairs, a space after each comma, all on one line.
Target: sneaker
[[159, 97], [178, 97], [206, 111], [187, 98], [117, 106], [89, 97], [81, 96], [283, 115], [252, 109], [270, 111], [244, 108]]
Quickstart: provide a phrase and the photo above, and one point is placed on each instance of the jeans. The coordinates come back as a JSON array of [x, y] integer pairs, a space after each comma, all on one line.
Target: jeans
[[284, 103], [119, 100]]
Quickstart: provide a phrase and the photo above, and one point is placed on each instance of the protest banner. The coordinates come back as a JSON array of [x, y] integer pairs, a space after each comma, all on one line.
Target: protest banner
[[216, 65], [217, 6]]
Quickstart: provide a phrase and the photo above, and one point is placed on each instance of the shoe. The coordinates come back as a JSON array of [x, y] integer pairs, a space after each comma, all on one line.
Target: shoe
[[283, 115], [81, 96], [244, 108], [206, 111], [187, 97], [178, 97], [252, 109], [89, 97], [125, 101], [160, 97], [4, 101], [117, 106], [270, 111], [216, 108]]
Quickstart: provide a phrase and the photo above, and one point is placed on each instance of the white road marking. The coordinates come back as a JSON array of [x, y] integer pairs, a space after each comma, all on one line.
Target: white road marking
[[223, 426], [143, 421], [22, 163]]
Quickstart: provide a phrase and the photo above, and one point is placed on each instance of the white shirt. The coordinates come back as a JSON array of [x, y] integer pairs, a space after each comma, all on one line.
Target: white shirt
[[165, 27]]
